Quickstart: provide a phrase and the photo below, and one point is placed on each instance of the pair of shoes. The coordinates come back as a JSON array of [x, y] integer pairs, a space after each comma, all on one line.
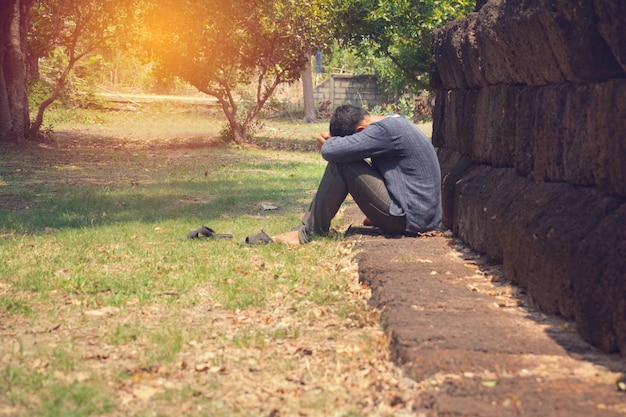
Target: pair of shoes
[[259, 238], [205, 231]]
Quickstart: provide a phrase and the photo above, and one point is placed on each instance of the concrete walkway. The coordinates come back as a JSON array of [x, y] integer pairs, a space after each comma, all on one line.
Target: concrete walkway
[[474, 343]]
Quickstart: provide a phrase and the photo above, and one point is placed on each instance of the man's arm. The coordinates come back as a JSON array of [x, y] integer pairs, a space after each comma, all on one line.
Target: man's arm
[[369, 142]]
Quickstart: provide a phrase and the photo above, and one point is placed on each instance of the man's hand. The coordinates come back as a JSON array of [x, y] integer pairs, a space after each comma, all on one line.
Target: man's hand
[[321, 139]]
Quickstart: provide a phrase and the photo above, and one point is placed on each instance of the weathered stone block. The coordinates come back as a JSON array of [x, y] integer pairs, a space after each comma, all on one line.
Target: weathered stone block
[[607, 109], [439, 112], [612, 15], [531, 129], [494, 56], [448, 66], [541, 136], [478, 123], [574, 45], [453, 128], [510, 55], [482, 197], [599, 282], [454, 166], [531, 42], [541, 235], [495, 126], [566, 245], [573, 133]]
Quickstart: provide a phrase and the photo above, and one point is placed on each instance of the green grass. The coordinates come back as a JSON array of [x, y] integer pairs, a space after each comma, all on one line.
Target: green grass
[[96, 223], [76, 400], [91, 226], [55, 396]]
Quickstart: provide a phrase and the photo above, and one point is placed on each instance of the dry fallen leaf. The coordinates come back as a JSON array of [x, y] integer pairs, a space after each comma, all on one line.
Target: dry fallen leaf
[[202, 367], [143, 392], [104, 311]]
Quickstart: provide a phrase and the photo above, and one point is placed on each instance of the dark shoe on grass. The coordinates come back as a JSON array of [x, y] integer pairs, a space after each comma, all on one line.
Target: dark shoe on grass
[[259, 238], [205, 231]]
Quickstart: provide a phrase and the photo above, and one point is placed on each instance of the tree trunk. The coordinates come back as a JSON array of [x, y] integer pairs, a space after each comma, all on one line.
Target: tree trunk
[[33, 68], [307, 93], [36, 124], [14, 121], [5, 111], [240, 134]]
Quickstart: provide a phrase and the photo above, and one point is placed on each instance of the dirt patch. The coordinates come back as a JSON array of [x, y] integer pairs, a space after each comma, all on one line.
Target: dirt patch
[[14, 202]]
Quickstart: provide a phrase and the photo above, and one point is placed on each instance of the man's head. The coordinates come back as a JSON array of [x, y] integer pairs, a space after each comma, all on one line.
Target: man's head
[[346, 120]]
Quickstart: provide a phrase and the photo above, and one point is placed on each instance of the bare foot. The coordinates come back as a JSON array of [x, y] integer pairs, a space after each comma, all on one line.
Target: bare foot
[[288, 238], [368, 222]]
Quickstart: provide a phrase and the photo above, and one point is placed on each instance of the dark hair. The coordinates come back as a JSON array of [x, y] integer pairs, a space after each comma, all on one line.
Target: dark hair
[[345, 120]]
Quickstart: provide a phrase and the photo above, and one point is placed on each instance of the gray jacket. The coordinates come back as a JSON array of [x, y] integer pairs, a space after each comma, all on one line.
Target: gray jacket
[[406, 159]]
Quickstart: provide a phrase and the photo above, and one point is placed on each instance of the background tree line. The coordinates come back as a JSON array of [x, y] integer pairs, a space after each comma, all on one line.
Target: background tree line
[[238, 51]]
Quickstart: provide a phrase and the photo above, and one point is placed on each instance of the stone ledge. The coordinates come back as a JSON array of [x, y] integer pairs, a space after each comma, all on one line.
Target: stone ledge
[[474, 350]]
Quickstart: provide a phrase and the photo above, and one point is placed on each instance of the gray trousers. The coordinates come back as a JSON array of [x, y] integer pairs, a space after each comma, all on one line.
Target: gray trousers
[[366, 186]]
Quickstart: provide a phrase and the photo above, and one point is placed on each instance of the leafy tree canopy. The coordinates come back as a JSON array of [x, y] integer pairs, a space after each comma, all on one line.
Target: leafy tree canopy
[[220, 45], [74, 29], [395, 35]]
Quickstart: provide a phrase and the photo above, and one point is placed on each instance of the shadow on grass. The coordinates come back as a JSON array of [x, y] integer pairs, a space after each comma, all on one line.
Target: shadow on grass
[[45, 189], [91, 207]]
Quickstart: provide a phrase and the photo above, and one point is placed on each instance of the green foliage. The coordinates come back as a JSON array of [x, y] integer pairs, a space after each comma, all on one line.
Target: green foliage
[[76, 91], [403, 105], [219, 47], [227, 134], [65, 32], [395, 35], [284, 108], [241, 129], [38, 91], [339, 59]]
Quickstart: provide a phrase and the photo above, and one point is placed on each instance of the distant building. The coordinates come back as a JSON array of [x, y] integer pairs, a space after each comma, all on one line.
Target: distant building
[[359, 90]]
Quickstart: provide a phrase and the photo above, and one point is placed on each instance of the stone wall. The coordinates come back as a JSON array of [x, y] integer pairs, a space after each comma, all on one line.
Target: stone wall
[[360, 90], [530, 126]]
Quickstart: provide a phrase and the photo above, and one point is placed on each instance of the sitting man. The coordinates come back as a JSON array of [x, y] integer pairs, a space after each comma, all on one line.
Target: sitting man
[[398, 188]]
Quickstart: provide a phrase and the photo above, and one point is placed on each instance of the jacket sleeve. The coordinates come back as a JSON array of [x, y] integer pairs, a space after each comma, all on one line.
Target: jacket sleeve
[[372, 141]]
